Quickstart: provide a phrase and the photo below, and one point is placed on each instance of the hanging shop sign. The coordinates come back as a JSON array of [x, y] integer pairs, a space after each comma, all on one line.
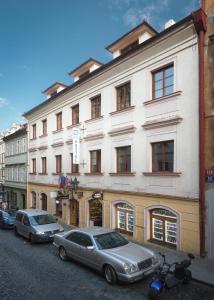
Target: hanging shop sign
[[76, 145], [97, 195]]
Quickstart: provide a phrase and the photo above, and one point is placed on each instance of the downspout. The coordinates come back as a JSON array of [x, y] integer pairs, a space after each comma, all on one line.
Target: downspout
[[200, 26]]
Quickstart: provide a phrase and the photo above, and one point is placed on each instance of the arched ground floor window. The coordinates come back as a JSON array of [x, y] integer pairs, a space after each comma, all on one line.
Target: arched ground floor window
[[163, 226], [124, 218], [33, 199], [44, 201]]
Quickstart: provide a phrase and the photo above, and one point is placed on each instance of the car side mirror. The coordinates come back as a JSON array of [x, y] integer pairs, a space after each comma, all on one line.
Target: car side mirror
[[90, 247]]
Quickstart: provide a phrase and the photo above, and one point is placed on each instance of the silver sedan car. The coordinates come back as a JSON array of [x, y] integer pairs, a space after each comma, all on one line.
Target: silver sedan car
[[108, 252]]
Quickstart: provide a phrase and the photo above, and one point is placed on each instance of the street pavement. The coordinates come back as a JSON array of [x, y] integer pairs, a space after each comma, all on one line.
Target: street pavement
[[35, 272]]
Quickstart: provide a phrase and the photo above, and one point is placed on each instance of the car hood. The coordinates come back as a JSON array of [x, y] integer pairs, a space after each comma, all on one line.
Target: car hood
[[131, 252], [47, 227]]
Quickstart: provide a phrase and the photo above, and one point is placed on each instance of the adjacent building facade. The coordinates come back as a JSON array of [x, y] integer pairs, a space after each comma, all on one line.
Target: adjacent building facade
[[15, 185], [138, 122]]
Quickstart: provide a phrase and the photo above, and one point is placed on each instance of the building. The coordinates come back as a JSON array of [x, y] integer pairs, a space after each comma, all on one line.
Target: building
[[1, 169], [209, 127], [15, 185], [138, 169]]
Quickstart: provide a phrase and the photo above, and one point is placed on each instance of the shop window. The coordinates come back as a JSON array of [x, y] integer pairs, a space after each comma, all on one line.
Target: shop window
[[125, 218], [163, 227]]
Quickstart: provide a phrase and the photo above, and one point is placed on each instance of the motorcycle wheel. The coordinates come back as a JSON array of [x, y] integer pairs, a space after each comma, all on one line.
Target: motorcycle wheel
[[153, 294], [188, 277]]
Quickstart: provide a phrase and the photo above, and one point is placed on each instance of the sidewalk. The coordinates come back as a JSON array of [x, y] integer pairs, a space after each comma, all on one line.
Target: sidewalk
[[202, 268]]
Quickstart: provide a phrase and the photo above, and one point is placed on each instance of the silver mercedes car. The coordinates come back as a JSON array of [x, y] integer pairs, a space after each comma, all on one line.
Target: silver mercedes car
[[108, 252]]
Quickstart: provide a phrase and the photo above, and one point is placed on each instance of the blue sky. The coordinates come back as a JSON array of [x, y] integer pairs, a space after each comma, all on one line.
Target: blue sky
[[42, 40]]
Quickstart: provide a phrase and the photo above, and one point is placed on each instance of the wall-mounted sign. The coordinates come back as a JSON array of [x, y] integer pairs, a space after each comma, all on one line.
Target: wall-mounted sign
[[76, 145], [209, 175], [97, 195]]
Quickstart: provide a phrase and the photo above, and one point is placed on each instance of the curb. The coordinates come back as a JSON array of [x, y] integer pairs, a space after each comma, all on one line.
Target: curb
[[203, 282]]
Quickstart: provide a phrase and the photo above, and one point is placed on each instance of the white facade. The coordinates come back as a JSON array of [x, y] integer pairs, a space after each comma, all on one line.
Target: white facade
[[174, 117]]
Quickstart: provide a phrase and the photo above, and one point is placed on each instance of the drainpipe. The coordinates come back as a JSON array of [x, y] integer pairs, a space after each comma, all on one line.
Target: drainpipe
[[200, 26]]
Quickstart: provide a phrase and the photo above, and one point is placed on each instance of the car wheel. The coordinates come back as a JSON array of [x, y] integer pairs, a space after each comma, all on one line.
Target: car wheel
[[15, 231], [153, 294], [62, 253], [110, 274], [32, 238]]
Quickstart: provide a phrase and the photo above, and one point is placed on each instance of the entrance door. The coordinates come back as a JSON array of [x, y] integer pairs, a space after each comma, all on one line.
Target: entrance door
[[23, 201], [95, 212], [74, 216], [44, 201]]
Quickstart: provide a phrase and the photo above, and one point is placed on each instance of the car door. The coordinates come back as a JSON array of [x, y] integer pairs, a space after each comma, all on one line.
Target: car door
[[1, 219], [26, 229], [72, 245], [90, 256]]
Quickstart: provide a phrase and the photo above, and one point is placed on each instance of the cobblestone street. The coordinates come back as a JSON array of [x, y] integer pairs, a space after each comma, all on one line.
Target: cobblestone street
[[35, 272]]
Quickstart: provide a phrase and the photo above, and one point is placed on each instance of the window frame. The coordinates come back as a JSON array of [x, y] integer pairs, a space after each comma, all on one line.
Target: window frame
[[33, 165], [164, 219], [74, 167], [34, 131], [127, 212], [163, 155], [98, 161], [96, 106], [44, 127], [59, 121], [127, 163], [121, 105], [162, 69], [44, 164], [75, 114], [58, 164]]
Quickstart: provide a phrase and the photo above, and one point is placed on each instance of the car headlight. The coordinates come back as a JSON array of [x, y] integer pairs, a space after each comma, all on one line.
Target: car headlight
[[155, 259], [130, 268], [40, 233]]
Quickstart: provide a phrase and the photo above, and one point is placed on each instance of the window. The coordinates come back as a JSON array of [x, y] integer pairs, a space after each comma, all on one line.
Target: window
[[163, 82], [44, 127], [163, 156], [33, 165], [125, 218], [80, 239], [34, 131], [84, 74], [75, 114], [96, 161], [124, 96], [124, 159], [163, 226], [59, 121], [44, 165], [129, 47], [96, 107], [74, 167], [58, 163]]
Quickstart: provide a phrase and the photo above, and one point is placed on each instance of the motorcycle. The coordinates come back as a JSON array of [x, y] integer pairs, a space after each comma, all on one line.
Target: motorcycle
[[169, 276]]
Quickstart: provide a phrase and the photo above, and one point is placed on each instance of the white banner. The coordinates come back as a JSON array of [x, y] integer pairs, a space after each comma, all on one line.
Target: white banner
[[76, 145]]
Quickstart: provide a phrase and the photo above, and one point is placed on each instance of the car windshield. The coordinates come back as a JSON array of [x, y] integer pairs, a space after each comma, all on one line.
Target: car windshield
[[110, 240], [42, 220]]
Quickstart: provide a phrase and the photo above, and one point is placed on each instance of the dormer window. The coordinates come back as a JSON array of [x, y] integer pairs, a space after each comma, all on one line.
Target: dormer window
[[129, 47], [54, 89], [130, 40], [84, 69]]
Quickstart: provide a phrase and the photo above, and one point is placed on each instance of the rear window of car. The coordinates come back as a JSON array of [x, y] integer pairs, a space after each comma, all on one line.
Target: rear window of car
[[110, 240]]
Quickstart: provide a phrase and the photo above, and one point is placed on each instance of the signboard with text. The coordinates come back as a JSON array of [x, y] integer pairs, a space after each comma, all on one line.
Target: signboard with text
[[76, 145], [210, 175]]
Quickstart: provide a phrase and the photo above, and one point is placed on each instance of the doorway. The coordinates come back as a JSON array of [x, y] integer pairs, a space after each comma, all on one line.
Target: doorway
[[95, 212], [74, 213], [44, 201]]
